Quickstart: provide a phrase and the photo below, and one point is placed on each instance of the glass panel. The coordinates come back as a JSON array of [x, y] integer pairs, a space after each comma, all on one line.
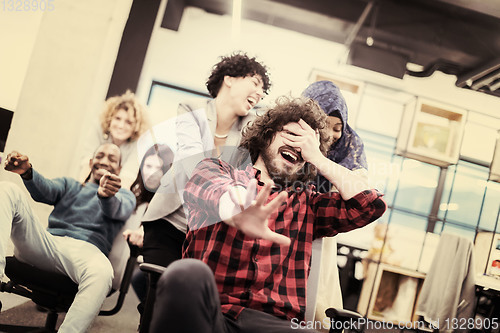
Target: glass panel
[[448, 185], [406, 238], [362, 237], [417, 185], [408, 220], [466, 195], [383, 166], [459, 230], [393, 179], [491, 206], [438, 228]]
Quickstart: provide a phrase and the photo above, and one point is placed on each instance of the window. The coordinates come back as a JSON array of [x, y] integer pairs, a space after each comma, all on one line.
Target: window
[[463, 194], [409, 220], [489, 212], [417, 186], [381, 165]]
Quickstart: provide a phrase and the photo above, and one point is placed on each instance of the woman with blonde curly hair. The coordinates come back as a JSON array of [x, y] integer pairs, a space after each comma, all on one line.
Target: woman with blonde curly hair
[[122, 120]]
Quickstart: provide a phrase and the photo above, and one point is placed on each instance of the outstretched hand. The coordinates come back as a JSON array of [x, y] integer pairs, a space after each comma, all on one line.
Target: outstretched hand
[[17, 163], [250, 216], [109, 185]]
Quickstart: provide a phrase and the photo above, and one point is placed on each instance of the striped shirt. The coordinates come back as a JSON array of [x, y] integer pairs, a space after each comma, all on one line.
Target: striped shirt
[[256, 273]]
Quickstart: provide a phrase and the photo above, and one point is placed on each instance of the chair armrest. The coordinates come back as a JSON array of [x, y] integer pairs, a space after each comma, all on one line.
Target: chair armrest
[[340, 314], [134, 250], [152, 268], [342, 317], [125, 283]]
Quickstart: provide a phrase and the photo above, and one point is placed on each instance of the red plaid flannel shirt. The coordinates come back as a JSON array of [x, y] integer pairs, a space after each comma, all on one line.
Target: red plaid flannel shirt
[[256, 273]]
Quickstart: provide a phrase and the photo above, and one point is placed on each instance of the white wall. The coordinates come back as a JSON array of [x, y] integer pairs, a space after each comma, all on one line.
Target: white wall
[[18, 31]]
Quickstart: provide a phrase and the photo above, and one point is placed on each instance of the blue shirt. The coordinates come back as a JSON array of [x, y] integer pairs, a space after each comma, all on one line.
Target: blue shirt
[[78, 211]]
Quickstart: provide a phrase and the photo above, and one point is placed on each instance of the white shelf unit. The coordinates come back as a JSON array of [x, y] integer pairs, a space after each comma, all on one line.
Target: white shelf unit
[[431, 132], [380, 297]]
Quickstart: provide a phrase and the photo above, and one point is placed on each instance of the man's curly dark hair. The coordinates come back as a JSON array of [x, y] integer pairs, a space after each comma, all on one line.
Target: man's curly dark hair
[[238, 64], [259, 134]]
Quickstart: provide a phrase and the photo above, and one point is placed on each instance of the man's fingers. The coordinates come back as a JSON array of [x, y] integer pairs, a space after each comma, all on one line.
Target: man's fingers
[[276, 238], [113, 177], [236, 197], [304, 125], [262, 196], [112, 188], [113, 182], [291, 140], [17, 160], [294, 129], [251, 192], [290, 137]]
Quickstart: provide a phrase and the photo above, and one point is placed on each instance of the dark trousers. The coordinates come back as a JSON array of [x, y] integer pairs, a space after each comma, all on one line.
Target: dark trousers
[[162, 243], [162, 246], [187, 301]]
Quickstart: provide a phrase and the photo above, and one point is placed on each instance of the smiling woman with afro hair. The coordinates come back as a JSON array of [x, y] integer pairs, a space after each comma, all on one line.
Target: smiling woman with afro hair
[[238, 64]]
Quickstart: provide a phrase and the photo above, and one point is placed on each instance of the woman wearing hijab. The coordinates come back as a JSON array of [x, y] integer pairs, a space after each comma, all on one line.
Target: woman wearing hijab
[[347, 147], [347, 150]]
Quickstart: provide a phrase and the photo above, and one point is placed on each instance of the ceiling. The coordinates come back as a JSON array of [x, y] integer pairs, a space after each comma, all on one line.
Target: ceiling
[[458, 37]]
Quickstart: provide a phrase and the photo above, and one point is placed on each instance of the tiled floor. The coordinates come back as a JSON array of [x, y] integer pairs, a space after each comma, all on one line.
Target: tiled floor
[[10, 301]]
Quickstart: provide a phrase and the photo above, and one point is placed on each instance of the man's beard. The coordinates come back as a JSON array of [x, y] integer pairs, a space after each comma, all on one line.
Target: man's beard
[[284, 177]]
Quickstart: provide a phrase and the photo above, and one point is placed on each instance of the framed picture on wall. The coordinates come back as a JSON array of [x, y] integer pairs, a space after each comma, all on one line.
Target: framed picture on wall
[[164, 99]]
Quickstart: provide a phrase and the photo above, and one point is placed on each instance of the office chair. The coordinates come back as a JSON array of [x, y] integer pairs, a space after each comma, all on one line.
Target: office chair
[[53, 291], [335, 314]]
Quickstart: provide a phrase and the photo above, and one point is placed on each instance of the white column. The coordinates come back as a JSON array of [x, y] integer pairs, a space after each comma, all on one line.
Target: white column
[[65, 84]]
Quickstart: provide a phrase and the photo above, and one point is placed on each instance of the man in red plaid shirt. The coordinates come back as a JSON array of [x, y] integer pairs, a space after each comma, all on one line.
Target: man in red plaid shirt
[[251, 229]]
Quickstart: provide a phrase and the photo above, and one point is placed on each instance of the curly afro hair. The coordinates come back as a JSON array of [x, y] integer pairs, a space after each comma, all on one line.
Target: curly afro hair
[[238, 64], [258, 135]]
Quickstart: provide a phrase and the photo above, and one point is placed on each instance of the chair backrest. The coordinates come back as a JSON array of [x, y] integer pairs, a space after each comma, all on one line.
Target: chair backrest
[[323, 275]]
